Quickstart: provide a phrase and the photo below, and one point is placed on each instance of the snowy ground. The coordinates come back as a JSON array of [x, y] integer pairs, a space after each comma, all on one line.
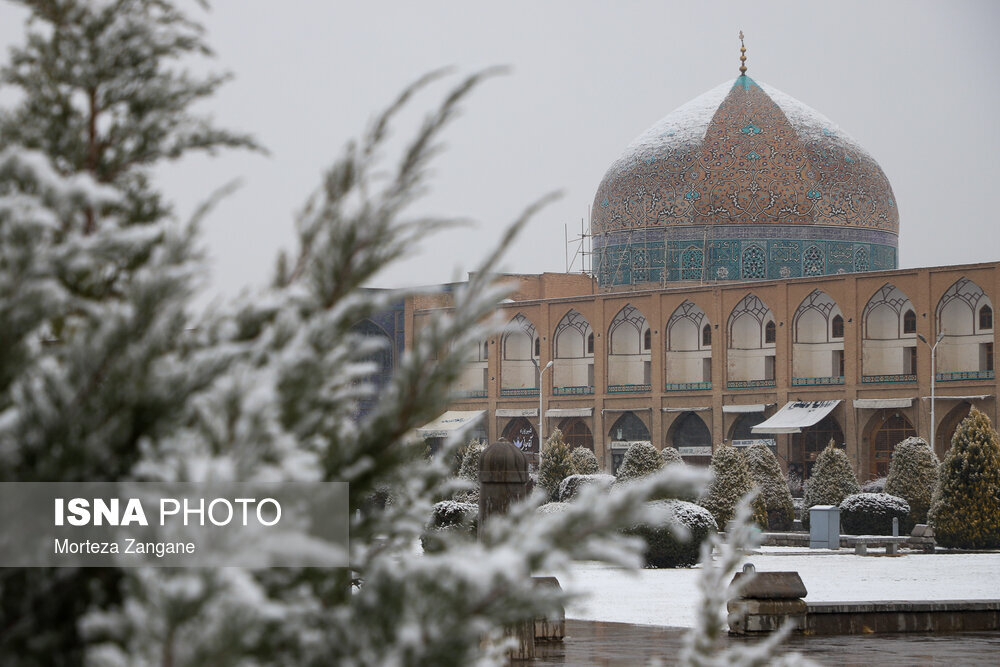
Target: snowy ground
[[667, 597]]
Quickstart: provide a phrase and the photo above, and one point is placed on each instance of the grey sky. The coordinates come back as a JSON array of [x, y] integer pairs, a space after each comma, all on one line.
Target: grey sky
[[914, 82]]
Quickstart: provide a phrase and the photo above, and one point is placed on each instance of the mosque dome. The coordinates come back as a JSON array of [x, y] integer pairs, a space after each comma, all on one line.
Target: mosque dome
[[742, 183]]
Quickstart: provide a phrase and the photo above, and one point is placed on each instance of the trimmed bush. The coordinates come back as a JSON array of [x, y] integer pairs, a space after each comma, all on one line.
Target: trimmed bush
[[556, 464], [876, 485], [872, 513], [572, 485], [913, 476], [663, 547], [470, 472], [730, 481], [584, 462], [551, 508], [831, 481], [640, 460], [765, 472], [449, 516], [670, 456], [965, 512]]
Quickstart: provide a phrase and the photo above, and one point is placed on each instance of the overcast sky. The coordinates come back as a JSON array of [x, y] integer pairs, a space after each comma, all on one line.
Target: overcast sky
[[914, 82]]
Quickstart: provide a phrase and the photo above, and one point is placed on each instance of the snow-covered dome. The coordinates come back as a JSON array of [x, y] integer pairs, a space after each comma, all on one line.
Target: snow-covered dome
[[742, 183]]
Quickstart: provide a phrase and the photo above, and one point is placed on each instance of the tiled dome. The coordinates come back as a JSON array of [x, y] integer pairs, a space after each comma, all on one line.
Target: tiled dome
[[751, 180]]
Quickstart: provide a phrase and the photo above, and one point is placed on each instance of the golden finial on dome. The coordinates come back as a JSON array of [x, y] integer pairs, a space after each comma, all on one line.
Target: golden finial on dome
[[743, 56]]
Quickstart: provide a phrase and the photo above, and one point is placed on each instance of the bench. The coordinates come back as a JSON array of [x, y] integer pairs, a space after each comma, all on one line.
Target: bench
[[862, 542]]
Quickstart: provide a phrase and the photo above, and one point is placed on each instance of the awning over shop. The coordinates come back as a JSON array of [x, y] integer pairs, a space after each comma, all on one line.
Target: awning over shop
[[741, 409], [958, 398], [569, 412], [698, 409], [879, 403], [795, 416], [517, 412], [449, 422]]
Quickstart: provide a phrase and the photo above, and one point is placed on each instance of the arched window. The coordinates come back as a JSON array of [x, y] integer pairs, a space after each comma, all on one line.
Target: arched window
[[770, 332], [985, 318], [486, 350], [706, 336], [538, 347], [837, 327], [647, 340], [910, 322], [590, 343]]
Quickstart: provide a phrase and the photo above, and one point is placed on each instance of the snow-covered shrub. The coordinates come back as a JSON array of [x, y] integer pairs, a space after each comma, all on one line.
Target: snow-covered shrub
[[872, 513], [449, 516], [640, 459], [913, 476], [671, 455], [584, 462], [876, 485], [766, 475], [469, 472], [831, 481], [552, 508], [572, 484], [665, 548], [965, 512], [730, 482], [556, 464]]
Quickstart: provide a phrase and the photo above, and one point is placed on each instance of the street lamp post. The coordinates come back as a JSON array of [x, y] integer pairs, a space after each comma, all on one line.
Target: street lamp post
[[933, 349], [541, 394]]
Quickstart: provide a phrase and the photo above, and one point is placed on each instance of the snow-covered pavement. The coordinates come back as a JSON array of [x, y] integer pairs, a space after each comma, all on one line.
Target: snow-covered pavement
[[667, 597]]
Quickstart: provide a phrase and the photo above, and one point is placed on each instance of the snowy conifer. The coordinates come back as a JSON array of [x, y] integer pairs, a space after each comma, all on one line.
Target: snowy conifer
[[641, 459], [556, 464], [731, 481], [965, 512], [671, 455], [108, 358], [766, 475], [584, 462], [913, 476], [831, 480]]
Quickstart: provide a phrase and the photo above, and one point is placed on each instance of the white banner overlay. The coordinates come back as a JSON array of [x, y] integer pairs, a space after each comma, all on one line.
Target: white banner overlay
[[132, 524]]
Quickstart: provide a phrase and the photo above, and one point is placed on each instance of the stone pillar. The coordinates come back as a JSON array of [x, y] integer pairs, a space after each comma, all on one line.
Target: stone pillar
[[503, 480]]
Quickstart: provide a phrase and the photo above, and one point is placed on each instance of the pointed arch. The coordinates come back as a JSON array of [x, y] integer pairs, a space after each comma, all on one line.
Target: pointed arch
[[751, 349], [688, 343], [818, 340], [964, 316], [628, 358], [517, 355], [888, 344], [573, 342]]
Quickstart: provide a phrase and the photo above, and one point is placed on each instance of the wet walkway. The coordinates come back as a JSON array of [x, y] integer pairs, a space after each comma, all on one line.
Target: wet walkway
[[611, 644]]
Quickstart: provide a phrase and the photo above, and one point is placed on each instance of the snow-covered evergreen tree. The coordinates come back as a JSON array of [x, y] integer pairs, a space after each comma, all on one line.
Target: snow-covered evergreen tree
[[731, 481], [965, 511], [766, 475], [556, 464], [671, 456], [831, 480], [641, 459], [913, 476], [107, 360], [584, 462]]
